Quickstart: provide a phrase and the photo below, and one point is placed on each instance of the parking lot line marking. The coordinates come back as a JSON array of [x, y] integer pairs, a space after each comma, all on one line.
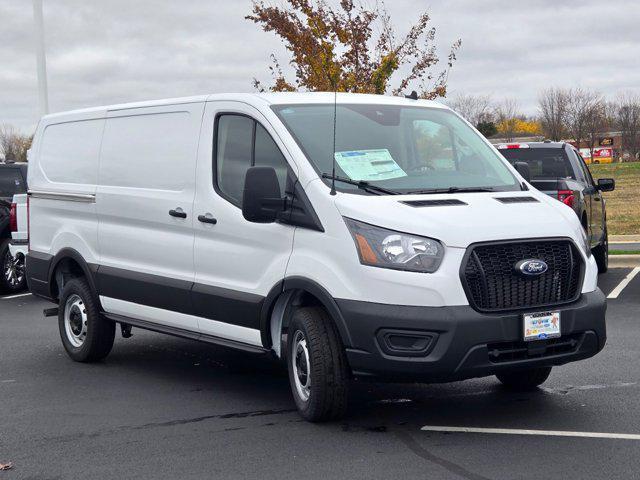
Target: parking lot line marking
[[515, 431], [15, 296], [625, 281]]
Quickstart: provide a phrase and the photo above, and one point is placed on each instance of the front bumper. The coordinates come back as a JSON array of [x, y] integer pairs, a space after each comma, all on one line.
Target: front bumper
[[466, 343]]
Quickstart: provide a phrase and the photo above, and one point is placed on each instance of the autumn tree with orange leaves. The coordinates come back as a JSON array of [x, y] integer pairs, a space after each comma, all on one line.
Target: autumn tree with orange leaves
[[335, 49]]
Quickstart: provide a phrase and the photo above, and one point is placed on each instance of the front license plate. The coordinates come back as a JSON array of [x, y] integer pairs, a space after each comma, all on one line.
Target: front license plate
[[539, 326]]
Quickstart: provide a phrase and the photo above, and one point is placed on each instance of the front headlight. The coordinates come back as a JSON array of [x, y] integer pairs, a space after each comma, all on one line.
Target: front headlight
[[379, 247], [585, 243]]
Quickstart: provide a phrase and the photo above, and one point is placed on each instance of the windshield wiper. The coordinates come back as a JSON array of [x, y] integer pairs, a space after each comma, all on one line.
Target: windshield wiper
[[451, 190], [361, 184]]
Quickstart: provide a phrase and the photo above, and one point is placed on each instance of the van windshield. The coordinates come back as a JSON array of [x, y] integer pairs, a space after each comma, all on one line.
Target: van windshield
[[401, 149]]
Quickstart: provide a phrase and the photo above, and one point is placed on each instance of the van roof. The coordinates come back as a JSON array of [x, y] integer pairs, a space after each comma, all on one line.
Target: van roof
[[252, 98]]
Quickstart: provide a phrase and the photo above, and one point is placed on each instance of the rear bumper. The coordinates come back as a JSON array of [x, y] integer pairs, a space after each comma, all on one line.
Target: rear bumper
[[465, 343]]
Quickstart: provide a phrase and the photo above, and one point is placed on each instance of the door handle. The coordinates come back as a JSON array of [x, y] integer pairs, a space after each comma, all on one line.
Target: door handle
[[178, 213], [207, 218]]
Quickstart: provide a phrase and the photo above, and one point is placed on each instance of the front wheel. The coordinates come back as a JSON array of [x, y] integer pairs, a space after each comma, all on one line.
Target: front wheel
[[317, 365], [13, 278], [524, 380]]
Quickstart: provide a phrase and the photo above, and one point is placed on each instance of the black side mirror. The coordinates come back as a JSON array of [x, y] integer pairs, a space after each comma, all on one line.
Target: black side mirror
[[606, 184], [262, 201], [524, 170]]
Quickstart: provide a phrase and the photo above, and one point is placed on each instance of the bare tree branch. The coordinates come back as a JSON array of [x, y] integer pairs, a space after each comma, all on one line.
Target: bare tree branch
[[580, 106], [627, 119], [552, 104], [474, 108], [13, 144], [507, 113]]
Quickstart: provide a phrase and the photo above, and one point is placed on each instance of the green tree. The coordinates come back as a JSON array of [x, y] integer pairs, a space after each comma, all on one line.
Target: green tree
[[488, 129]]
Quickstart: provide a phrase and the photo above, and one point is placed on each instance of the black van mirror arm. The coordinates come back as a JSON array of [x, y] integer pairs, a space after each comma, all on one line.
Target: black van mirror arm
[[275, 204]]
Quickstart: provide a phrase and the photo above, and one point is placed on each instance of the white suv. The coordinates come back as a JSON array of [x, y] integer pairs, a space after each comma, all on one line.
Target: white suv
[[381, 237]]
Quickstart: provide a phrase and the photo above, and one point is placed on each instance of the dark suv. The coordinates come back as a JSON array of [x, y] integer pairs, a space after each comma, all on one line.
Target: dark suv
[[557, 169], [13, 180]]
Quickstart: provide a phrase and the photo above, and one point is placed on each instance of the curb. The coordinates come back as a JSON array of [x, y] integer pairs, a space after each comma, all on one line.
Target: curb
[[624, 261], [624, 238]]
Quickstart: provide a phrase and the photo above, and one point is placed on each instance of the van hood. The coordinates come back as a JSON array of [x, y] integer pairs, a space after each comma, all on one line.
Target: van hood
[[476, 217]]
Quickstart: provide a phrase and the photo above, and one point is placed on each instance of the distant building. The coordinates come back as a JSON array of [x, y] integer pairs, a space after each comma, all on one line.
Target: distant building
[[611, 140], [607, 144]]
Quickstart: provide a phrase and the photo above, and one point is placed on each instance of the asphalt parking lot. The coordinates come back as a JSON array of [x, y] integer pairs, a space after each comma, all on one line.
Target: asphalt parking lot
[[161, 407]]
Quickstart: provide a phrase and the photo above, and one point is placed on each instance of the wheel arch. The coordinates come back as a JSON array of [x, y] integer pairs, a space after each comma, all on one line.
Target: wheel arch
[[294, 292], [69, 263]]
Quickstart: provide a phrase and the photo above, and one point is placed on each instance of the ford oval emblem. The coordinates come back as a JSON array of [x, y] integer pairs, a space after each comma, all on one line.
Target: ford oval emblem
[[531, 267]]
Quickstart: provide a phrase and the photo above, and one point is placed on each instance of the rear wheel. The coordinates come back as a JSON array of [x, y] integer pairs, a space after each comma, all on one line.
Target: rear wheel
[[86, 335], [601, 254], [317, 365], [12, 277], [523, 380]]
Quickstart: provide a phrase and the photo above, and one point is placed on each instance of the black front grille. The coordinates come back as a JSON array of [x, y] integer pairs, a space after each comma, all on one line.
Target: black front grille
[[493, 284]]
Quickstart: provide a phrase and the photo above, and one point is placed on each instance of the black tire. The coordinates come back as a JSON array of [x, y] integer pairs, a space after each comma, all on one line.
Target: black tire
[[329, 373], [95, 334], [12, 275], [524, 380], [601, 254]]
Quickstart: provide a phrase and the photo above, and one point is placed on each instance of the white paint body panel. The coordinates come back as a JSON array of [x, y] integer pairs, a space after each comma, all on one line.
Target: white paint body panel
[[153, 147], [62, 224], [235, 254]]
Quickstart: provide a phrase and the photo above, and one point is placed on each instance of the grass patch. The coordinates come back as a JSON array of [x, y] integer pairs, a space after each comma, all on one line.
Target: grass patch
[[624, 252], [623, 204]]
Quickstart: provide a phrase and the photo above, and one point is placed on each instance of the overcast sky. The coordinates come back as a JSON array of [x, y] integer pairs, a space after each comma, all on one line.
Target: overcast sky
[[111, 51]]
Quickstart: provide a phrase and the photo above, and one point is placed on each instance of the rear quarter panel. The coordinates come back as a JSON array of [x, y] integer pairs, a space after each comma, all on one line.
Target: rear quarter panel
[[65, 161]]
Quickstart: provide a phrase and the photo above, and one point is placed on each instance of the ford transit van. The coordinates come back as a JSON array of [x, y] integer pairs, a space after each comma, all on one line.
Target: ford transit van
[[353, 236]]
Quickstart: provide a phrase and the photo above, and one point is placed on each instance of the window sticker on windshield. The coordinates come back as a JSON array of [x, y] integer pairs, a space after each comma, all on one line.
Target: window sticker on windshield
[[369, 165]]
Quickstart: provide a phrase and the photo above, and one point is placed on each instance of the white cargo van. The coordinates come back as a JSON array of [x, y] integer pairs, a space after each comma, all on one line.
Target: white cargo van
[[355, 236]]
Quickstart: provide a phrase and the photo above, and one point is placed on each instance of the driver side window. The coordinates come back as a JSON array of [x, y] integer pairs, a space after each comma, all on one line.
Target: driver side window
[[584, 170], [241, 142]]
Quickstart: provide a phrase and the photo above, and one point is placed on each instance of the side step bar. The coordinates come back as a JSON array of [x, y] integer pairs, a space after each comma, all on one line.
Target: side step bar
[[50, 312], [179, 332]]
